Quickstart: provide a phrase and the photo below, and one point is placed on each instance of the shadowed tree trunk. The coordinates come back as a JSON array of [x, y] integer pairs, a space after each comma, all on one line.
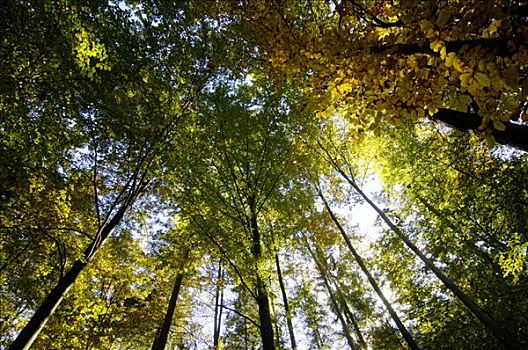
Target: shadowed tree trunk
[[333, 299], [160, 342], [286, 305], [509, 341], [219, 301], [266, 324], [515, 135], [405, 333]]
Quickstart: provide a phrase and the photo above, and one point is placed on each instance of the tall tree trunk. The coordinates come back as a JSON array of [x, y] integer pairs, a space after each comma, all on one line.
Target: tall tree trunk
[[266, 324], [219, 301], [333, 299], [285, 301], [342, 299], [160, 342], [350, 317], [508, 340], [37, 322], [275, 320], [405, 333]]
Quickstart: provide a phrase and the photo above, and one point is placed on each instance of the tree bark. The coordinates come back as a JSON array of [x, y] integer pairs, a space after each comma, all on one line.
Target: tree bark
[[160, 342], [515, 135], [509, 340], [29, 333], [496, 44], [286, 305], [405, 333], [219, 301], [333, 299], [266, 324]]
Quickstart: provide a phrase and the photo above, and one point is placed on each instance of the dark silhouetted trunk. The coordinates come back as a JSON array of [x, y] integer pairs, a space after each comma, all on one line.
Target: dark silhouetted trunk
[[405, 333], [266, 324], [163, 335], [333, 299], [286, 305], [32, 329], [515, 135], [219, 301]]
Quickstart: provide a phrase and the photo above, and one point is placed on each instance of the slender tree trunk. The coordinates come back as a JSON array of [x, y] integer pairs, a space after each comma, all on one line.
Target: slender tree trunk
[[318, 339], [160, 342], [405, 333], [219, 301], [333, 299], [508, 340], [275, 320], [37, 322], [266, 324], [342, 299], [286, 305], [350, 317]]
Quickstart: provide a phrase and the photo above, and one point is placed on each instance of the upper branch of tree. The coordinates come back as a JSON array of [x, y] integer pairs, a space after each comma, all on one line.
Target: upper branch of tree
[[514, 134], [499, 45]]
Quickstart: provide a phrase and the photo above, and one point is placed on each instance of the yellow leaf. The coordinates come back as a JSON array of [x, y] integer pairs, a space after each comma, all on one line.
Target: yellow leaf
[[437, 45], [465, 79], [482, 79], [450, 59], [499, 125], [458, 65]]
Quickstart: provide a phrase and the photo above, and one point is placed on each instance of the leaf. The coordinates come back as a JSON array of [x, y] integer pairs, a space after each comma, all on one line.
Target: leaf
[[497, 124], [482, 79], [465, 79]]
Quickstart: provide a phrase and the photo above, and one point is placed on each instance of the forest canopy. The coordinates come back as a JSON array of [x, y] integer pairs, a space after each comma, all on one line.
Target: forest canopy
[[263, 174]]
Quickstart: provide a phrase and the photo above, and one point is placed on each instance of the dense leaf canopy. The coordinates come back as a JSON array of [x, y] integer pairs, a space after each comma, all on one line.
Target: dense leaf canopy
[[263, 174]]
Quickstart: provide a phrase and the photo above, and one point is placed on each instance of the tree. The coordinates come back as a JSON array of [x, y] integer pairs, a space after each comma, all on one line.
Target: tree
[[243, 171], [137, 128], [141, 141], [464, 204], [458, 63]]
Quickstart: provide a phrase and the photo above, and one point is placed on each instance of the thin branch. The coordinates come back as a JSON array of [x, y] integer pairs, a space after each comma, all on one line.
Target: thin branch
[[240, 314]]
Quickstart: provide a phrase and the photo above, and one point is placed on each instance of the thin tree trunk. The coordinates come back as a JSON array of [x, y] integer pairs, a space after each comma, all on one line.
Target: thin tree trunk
[[275, 320], [509, 340], [333, 300], [160, 342], [219, 296], [37, 322], [350, 316], [266, 324], [405, 333], [286, 304], [344, 305]]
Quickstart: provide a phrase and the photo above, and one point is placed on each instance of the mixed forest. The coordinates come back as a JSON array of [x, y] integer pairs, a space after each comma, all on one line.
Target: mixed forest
[[263, 174]]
